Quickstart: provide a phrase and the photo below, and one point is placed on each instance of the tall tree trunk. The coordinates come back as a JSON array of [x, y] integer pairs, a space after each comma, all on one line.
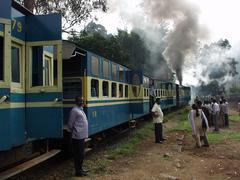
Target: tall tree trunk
[[29, 4]]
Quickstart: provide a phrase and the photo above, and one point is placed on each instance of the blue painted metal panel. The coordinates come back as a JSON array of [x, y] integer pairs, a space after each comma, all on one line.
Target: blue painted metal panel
[[18, 25], [167, 103], [66, 113], [1, 28], [146, 107], [106, 117], [44, 122], [5, 141], [17, 126], [14, 97], [44, 27], [5, 9], [43, 97], [4, 91]]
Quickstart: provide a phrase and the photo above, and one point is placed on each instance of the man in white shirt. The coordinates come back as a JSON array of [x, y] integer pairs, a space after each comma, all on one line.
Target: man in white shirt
[[216, 110], [78, 126], [157, 115]]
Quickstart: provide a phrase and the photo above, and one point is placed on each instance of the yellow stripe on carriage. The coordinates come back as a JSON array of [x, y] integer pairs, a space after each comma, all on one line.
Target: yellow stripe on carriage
[[29, 105], [108, 103]]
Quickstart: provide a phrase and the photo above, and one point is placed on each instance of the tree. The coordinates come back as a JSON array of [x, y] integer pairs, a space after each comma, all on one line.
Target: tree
[[73, 11], [124, 48]]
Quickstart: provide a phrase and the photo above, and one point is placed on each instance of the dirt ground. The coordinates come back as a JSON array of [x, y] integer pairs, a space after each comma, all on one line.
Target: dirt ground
[[173, 161]]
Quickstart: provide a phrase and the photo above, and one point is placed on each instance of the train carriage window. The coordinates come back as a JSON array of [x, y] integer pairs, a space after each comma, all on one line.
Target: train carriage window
[[105, 69], [126, 90], [127, 75], [16, 64], [114, 71], [114, 90], [94, 88], [121, 73], [105, 88], [47, 69], [95, 65], [44, 66], [1, 58], [120, 90], [156, 92], [145, 92]]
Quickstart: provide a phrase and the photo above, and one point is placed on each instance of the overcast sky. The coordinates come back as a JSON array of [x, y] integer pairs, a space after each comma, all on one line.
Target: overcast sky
[[221, 17]]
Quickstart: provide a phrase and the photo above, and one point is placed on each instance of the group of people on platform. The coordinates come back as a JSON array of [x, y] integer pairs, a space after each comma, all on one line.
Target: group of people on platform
[[207, 114], [201, 117]]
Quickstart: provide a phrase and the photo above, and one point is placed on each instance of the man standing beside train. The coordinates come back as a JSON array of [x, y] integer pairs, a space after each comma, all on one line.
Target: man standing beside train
[[157, 115], [78, 126]]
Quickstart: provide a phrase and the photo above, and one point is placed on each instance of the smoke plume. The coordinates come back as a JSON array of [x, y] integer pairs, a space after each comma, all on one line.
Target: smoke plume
[[215, 62], [182, 39]]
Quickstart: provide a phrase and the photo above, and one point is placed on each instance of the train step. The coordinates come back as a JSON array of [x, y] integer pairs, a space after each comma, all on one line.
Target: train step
[[26, 165]]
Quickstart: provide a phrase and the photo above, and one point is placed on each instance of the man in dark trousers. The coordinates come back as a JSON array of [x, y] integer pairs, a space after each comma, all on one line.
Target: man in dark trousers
[[78, 126], [157, 115]]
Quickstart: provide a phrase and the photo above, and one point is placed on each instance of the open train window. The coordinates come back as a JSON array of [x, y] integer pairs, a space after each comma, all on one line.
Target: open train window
[[126, 90], [120, 90], [1, 58], [44, 66], [114, 71], [105, 88], [95, 65], [114, 90], [105, 69], [47, 69], [94, 88], [16, 64]]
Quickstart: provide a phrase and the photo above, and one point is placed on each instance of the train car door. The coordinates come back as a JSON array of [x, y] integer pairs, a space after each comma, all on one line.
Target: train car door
[[44, 116]]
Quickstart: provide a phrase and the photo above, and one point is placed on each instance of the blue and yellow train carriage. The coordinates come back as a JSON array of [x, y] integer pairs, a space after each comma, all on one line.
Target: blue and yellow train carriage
[[166, 91], [30, 80], [114, 94]]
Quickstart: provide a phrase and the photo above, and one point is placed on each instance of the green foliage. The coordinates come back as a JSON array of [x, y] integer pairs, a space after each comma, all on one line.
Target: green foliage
[[215, 138], [235, 89], [124, 48], [73, 12], [235, 136]]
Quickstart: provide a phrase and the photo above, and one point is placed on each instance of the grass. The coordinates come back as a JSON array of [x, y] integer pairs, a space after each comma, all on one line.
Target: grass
[[215, 138], [234, 136], [128, 147], [100, 161], [234, 118], [181, 117]]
